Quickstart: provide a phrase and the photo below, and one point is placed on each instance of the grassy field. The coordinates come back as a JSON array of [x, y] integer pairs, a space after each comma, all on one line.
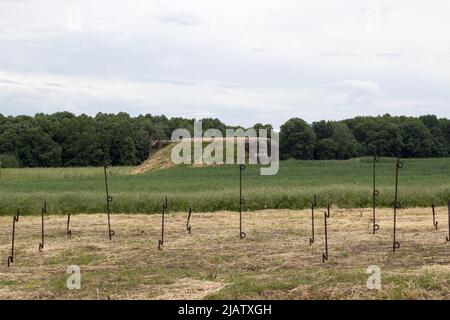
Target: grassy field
[[347, 184], [274, 261]]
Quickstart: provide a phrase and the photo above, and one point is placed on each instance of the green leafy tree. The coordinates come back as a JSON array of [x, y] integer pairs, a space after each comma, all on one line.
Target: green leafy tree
[[323, 129], [9, 161], [80, 143], [378, 133], [417, 139], [210, 123], [346, 145], [439, 146], [297, 140], [326, 149]]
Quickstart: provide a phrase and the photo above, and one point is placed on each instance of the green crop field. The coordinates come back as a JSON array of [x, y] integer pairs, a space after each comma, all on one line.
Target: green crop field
[[346, 184]]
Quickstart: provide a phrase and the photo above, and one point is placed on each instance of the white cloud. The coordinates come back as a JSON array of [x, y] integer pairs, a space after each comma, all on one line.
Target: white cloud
[[242, 61], [363, 92], [370, 87], [181, 17]]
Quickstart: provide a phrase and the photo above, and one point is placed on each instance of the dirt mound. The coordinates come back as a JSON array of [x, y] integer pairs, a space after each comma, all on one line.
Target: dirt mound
[[161, 159]]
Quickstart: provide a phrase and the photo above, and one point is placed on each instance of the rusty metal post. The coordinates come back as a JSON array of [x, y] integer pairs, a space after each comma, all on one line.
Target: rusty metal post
[[43, 211], [15, 219], [397, 204], [435, 223], [109, 200], [448, 237], [326, 215], [68, 231], [376, 193], [313, 206], [163, 211], [242, 234], [188, 226]]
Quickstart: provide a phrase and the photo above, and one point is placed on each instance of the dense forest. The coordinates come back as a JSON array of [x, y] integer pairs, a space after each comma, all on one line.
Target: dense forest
[[64, 139]]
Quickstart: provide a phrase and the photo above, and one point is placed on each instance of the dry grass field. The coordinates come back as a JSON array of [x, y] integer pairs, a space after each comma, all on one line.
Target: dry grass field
[[275, 261]]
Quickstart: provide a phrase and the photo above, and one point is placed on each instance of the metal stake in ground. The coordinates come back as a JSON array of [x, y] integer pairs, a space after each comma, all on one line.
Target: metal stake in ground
[[11, 257], [326, 215], [188, 226], [163, 211], [109, 200], [68, 231], [435, 223], [242, 234], [313, 205], [376, 193], [397, 204], [43, 211], [448, 237]]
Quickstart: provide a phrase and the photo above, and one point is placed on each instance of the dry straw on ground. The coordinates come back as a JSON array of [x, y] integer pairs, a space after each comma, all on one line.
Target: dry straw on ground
[[160, 160], [274, 261]]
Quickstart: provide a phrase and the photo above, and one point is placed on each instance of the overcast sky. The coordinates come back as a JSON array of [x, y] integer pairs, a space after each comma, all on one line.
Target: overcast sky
[[242, 61]]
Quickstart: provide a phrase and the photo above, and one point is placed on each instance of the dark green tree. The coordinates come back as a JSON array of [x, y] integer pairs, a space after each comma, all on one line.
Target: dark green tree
[[381, 133], [79, 141], [346, 145], [417, 139], [260, 126], [326, 149], [323, 129], [297, 140]]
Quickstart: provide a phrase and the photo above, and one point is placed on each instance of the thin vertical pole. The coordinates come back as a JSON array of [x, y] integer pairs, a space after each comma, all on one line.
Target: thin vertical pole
[[325, 218], [11, 257], [161, 241], [435, 223], [313, 205], [43, 211], [163, 211], [397, 205], [188, 226], [109, 200], [448, 237], [376, 193], [68, 231], [242, 234]]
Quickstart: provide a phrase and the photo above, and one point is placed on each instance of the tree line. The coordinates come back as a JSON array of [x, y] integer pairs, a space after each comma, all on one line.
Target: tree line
[[64, 139], [408, 137]]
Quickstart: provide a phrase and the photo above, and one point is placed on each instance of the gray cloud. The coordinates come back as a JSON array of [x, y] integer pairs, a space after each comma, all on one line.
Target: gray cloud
[[391, 55], [182, 17], [6, 81], [243, 62], [55, 85], [262, 50], [175, 82]]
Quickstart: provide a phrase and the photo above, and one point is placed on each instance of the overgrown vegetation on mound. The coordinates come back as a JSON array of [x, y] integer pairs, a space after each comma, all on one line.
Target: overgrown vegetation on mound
[[344, 183]]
